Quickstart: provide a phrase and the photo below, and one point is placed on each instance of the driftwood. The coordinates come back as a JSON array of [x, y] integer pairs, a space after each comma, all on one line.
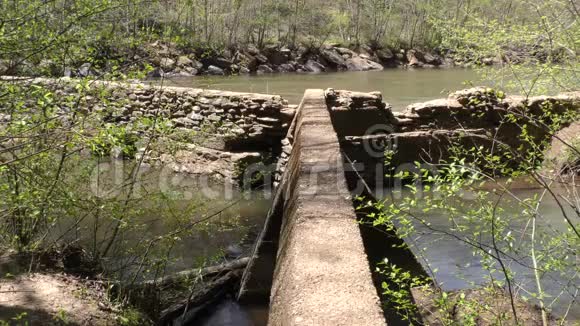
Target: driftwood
[[208, 272], [219, 281], [187, 310]]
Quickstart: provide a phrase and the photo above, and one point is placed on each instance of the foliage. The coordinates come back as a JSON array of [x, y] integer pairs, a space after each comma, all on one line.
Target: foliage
[[537, 55], [509, 232], [69, 179], [112, 37]]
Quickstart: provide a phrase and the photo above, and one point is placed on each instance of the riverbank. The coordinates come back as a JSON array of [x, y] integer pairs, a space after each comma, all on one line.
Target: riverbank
[[263, 120], [166, 59]]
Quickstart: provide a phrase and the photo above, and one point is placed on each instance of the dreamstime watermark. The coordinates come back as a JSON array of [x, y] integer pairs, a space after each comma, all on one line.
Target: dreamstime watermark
[[378, 140], [368, 164], [117, 177]]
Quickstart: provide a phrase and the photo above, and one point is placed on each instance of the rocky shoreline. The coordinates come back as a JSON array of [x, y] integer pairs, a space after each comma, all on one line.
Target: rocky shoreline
[[168, 61], [161, 59]]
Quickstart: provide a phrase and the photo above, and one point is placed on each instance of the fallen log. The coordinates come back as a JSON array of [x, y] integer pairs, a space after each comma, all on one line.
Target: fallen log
[[208, 272], [187, 310]]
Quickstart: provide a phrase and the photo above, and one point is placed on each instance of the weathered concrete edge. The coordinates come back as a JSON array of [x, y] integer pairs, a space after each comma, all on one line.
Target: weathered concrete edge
[[257, 278], [322, 274]]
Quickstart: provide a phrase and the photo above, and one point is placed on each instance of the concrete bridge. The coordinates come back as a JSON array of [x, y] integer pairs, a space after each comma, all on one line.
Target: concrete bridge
[[321, 272], [313, 260]]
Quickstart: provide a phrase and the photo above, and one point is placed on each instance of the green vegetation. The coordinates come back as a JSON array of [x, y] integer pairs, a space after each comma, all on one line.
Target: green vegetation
[[50, 146], [524, 249], [521, 247], [114, 38]]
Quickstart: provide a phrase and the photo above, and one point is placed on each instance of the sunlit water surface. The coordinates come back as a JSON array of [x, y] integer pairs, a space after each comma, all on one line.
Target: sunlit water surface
[[399, 87]]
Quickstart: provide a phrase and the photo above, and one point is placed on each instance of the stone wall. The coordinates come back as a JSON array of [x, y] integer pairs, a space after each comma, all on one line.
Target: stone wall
[[218, 131], [424, 132]]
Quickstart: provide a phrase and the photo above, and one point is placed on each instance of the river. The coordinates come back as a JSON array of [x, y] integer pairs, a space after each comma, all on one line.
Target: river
[[399, 87], [456, 266]]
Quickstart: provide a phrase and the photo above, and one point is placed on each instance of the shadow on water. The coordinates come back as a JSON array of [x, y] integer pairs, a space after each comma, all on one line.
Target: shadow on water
[[380, 245], [230, 313]]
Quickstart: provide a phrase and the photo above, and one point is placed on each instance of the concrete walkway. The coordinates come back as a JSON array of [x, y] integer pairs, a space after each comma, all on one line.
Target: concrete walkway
[[322, 274]]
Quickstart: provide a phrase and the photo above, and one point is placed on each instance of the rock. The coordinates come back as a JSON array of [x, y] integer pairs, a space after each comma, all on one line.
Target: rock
[[227, 53], [234, 252], [286, 67], [252, 49], [345, 52], [477, 96], [85, 70], [215, 71], [197, 65], [244, 71], [167, 63], [191, 71], [487, 61], [275, 56], [365, 50], [265, 69], [183, 122], [195, 116], [184, 61], [314, 66], [432, 59], [178, 114], [333, 58], [214, 117], [260, 58], [155, 73], [361, 64], [222, 63], [415, 58], [385, 55], [286, 51]]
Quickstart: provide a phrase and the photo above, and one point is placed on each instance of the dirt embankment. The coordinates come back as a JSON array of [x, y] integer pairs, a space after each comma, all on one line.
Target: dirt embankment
[[53, 299]]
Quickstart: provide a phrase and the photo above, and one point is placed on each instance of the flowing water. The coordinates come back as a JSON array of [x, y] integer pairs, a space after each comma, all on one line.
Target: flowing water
[[456, 266], [399, 87]]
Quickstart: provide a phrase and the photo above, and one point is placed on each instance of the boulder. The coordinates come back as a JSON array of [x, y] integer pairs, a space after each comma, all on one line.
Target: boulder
[[366, 50], [260, 58], [215, 71], [333, 58], [385, 55], [265, 69], [167, 64], [155, 73], [287, 67], [346, 52], [479, 95], [415, 58], [487, 61], [314, 66], [191, 71], [221, 63], [432, 59], [184, 61], [275, 56], [362, 64], [252, 49], [85, 70]]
